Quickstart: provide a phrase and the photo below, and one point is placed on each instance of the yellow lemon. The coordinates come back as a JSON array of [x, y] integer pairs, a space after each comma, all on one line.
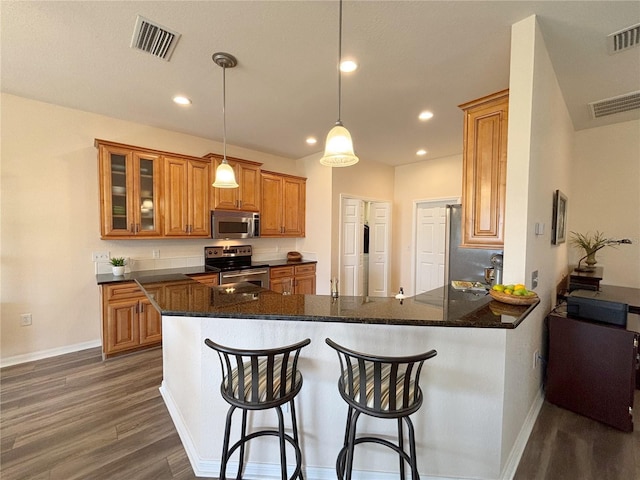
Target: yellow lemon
[[498, 288], [519, 286], [508, 291]]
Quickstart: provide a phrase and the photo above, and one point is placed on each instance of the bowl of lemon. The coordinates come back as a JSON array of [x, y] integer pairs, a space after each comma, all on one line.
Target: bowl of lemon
[[513, 294]]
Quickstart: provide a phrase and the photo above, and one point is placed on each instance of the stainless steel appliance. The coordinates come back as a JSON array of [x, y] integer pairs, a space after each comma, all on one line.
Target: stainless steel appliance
[[467, 264], [235, 265], [229, 224]]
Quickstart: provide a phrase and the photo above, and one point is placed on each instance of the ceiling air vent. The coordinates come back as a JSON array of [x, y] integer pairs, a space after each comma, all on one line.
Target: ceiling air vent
[[624, 39], [153, 38], [609, 106]]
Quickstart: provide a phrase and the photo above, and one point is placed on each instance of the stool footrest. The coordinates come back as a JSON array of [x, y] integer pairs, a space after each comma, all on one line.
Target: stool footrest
[[380, 441], [273, 433]]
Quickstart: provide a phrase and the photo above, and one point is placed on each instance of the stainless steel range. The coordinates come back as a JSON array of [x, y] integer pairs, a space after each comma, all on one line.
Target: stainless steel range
[[234, 264]]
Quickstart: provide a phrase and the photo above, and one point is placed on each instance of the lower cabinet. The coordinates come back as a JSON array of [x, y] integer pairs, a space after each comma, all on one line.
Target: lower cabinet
[[129, 321], [301, 277]]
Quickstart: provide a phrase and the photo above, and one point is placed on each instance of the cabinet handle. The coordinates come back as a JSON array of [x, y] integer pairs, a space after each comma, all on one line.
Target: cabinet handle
[[137, 227], [131, 229], [142, 308]]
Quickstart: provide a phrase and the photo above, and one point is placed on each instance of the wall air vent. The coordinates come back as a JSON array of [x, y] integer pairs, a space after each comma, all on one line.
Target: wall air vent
[[153, 38], [624, 39], [621, 103]]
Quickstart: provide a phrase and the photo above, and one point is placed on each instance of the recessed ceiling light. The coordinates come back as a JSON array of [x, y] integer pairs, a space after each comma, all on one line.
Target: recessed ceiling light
[[311, 141], [426, 115], [180, 100], [348, 66], [421, 152]]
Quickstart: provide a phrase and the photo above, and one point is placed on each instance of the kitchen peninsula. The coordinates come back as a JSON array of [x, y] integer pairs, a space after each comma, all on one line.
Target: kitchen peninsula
[[456, 429]]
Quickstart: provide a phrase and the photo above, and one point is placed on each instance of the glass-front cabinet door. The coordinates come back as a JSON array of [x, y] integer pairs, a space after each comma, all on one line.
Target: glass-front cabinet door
[[129, 192]]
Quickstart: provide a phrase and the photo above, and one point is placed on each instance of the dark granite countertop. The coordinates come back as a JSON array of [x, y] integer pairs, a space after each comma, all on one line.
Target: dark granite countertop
[[182, 296], [103, 278], [284, 263]]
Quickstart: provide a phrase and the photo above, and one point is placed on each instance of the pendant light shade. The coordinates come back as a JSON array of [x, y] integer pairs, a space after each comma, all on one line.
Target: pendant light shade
[[225, 176], [338, 149]]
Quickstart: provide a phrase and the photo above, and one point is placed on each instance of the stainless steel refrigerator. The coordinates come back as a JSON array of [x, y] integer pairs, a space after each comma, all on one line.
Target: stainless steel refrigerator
[[466, 264]]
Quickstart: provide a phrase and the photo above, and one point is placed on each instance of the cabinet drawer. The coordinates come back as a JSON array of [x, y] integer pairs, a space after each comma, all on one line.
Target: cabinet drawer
[[122, 290], [280, 272], [207, 279], [306, 269]]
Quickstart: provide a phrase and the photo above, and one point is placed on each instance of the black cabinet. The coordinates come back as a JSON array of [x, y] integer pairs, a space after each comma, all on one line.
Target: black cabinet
[[592, 369]]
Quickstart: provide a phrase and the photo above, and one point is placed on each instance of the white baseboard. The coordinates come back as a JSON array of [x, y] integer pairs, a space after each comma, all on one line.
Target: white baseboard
[[210, 468], [54, 352], [513, 461]]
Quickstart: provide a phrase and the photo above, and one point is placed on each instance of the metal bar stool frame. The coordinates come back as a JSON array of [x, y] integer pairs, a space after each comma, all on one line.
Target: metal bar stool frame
[[383, 387], [260, 380]]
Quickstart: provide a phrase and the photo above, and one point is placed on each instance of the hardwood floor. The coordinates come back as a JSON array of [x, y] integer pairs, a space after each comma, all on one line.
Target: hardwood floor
[[77, 417], [564, 445]]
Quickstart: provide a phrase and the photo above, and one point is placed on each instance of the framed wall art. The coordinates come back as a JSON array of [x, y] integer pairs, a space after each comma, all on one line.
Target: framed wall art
[[559, 222]]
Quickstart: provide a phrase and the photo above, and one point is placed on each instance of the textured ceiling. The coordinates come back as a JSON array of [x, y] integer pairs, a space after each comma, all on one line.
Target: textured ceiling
[[413, 56]]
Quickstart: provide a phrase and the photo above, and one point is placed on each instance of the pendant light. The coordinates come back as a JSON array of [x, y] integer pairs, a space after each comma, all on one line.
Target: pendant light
[[338, 149], [225, 176]]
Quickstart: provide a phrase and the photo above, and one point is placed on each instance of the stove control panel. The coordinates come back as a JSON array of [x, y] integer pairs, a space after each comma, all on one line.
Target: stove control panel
[[232, 251]]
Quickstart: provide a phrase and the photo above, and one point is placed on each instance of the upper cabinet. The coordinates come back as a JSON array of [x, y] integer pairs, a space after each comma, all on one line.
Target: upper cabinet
[[283, 205], [129, 191], [484, 170], [187, 189], [247, 196]]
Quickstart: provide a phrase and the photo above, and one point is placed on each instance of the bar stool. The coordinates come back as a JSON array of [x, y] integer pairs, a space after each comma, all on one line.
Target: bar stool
[[260, 380], [383, 387]]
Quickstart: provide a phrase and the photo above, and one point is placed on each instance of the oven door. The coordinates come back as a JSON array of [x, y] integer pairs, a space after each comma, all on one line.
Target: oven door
[[257, 276]]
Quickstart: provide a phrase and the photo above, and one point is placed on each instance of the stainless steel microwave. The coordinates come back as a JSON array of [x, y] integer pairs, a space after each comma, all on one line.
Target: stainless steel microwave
[[234, 224]]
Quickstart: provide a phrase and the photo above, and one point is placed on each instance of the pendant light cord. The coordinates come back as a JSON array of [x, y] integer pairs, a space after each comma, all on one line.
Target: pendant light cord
[[339, 122], [224, 115]]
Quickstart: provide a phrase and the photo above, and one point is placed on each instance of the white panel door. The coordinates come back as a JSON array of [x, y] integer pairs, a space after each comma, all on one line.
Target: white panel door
[[430, 248], [379, 234], [351, 275]]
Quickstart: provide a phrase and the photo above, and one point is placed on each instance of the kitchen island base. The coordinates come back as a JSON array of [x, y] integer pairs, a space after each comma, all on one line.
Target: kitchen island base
[[458, 428]]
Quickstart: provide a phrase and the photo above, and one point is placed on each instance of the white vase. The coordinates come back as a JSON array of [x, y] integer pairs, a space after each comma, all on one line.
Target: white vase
[[118, 271]]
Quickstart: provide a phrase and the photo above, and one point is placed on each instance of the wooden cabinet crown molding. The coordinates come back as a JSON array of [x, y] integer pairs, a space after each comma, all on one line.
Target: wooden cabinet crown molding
[[484, 171]]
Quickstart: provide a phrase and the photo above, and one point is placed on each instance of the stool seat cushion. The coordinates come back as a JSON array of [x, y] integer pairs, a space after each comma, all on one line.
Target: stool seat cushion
[[269, 386], [402, 400]]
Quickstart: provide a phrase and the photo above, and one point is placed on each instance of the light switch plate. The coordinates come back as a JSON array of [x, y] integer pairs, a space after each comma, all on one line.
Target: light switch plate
[[534, 279]]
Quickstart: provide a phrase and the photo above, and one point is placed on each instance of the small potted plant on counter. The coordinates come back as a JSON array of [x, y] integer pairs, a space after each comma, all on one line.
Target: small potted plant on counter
[[117, 264]]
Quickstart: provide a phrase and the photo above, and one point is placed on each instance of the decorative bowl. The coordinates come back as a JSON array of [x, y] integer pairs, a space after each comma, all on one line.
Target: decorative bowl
[[514, 299]]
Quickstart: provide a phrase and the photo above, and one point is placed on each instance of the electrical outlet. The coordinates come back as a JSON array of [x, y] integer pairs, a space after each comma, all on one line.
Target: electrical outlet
[[25, 319], [100, 257], [536, 359], [534, 279], [156, 253]]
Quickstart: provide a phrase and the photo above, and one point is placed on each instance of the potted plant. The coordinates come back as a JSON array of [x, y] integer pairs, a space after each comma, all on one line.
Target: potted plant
[[117, 265], [591, 244]]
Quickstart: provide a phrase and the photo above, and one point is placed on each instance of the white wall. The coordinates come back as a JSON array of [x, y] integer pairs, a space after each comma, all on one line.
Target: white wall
[[605, 196], [319, 226], [51, 220], [428, 180], [539, 161]]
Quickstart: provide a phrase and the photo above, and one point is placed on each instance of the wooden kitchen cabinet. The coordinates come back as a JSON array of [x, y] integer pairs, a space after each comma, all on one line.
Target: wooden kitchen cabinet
[[129, 191], [302, 278], [211, 279], [186, 193], [129, 320], [283, 205], [484, 170], [247, 196]]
